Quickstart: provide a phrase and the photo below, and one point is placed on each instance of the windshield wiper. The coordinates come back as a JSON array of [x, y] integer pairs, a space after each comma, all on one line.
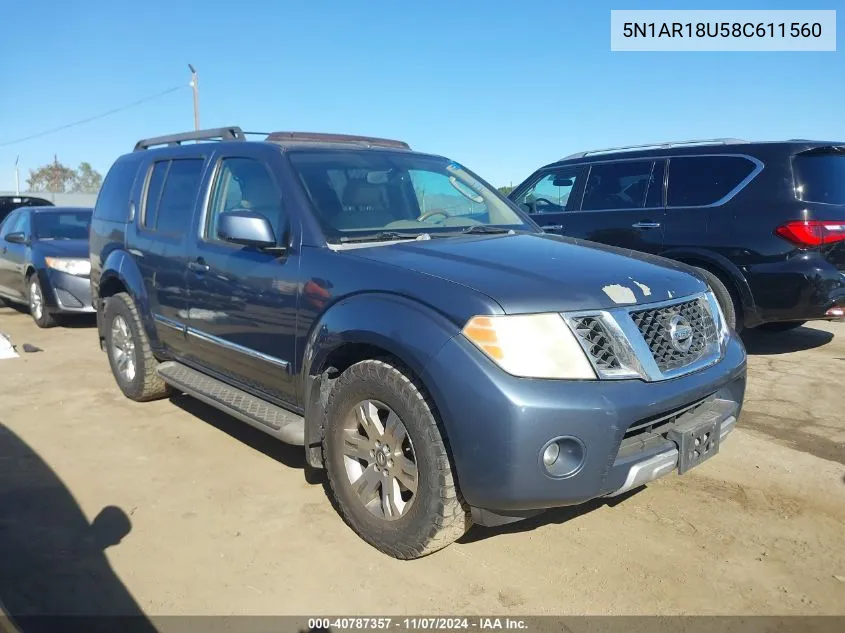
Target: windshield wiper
[[385, 236], [486, 229]]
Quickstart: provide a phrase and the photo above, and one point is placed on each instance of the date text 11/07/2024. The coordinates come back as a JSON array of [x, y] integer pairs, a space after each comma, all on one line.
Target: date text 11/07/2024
[[417, 624], [721, 29]]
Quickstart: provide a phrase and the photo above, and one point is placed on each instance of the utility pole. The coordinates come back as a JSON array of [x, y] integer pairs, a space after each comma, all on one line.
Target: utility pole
[[195, 84], [17, 177]]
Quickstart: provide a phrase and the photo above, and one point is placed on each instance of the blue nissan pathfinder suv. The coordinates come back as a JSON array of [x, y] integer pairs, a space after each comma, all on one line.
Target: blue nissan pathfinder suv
[[427, 344]]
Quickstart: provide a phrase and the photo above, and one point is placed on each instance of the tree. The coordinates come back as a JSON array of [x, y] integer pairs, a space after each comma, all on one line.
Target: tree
[[58, 178], [505, 190], [87, 179], [54, 177]]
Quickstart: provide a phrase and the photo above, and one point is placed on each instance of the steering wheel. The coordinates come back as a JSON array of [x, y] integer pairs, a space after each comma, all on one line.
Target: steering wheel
[[425, 216], [545, 201]]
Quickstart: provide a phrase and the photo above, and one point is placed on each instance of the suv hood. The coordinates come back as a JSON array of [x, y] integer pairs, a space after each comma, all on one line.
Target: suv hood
[[528, 273]]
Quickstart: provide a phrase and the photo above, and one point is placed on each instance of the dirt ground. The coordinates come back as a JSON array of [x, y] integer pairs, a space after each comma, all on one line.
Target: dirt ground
[[223, 520]]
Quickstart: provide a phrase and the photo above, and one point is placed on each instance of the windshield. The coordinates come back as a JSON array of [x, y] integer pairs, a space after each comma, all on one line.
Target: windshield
[[10, 203], [61, 225], [820, 175], [361, 193]]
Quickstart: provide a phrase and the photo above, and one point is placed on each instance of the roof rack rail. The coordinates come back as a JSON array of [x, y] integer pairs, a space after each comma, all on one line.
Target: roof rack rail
[[709, 141], [231, 133], [319, 137]]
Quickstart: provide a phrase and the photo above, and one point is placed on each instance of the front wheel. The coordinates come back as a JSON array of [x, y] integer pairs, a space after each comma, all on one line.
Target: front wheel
[[37, 307], [387, 462]]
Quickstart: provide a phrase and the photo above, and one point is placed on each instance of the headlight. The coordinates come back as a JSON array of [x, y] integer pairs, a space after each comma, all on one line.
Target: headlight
[[69, 265], [530, 346], [718, 315]]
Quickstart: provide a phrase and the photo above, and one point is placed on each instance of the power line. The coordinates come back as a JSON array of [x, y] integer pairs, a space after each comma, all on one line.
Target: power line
[[93, 118]]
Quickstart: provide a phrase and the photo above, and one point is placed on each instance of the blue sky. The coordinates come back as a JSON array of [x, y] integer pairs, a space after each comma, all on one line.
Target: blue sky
[[501, 87]]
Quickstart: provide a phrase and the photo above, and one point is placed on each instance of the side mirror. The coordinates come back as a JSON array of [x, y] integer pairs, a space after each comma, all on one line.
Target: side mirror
[[245, 227], [16, 238]]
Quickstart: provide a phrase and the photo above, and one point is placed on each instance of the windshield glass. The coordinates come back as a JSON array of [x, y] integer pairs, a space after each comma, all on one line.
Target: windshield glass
[[357, 193], [820, 176], [61, 225]]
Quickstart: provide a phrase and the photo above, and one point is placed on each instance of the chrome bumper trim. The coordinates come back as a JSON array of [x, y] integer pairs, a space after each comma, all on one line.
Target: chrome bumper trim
[[662, 463]]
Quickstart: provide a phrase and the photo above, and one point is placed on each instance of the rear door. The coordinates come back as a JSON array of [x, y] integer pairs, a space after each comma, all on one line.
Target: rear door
[[622, 205], [161, 241]]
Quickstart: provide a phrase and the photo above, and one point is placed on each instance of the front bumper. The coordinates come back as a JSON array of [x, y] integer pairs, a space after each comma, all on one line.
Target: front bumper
[[67, 294], [498, 425]]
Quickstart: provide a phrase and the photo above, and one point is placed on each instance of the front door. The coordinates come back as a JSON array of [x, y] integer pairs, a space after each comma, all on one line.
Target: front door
[[242, 314], [13, 256]]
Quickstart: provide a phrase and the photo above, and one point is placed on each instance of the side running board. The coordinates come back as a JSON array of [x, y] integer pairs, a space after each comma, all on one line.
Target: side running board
[[280, 423]]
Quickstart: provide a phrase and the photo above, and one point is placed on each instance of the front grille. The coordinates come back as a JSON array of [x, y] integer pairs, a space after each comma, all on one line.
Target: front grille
[[655, 325], [597, 342]]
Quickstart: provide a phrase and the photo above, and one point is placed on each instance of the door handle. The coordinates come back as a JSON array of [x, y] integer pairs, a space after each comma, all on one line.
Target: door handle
[[646, 225], [552, 227], [199, 266]]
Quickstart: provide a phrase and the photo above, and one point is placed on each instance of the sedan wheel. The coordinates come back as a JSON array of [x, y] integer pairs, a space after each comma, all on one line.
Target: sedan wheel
[[36, 301]]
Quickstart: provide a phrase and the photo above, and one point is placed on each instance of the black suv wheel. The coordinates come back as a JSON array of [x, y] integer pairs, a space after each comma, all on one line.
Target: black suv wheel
[[131, 359], [387, 462]]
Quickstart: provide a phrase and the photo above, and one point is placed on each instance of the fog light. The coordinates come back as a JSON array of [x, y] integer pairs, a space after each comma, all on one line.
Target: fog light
[[551, 454], [563, 456]]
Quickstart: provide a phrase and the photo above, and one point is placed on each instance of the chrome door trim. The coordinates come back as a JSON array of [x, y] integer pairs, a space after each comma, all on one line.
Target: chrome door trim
[[246, 351]]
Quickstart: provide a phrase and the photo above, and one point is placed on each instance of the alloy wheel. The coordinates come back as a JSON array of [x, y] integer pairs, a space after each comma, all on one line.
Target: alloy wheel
[[123, 348]]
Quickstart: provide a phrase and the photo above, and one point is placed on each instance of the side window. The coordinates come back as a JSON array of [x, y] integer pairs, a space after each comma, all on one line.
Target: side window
[[153, 194], [175, 187], [11, 223], [702, 180], [555, 192], [244, 183], [619, 185], [113, 199], [654, 195]]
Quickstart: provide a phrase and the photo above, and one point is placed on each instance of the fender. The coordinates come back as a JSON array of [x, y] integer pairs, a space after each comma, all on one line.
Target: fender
[[120, 266], [370, 319], [693, 255]]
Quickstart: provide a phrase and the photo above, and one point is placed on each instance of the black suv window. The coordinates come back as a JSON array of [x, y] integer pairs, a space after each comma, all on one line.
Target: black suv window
[[244, 183], [619, 185], [113, 199], [701, 180], [171, 194], [820, 176], [555, 192]]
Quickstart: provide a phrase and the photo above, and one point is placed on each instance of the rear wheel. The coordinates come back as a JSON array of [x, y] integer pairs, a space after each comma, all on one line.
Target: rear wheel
[[37, 307], [387, 462], [131, 359], [728, 301], [779, 326]]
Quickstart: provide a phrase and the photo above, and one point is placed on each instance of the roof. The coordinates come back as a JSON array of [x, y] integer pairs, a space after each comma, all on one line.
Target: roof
[[59, 209], [705, 146]]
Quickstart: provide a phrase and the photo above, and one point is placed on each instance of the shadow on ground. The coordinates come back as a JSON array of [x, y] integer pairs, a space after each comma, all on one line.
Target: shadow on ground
[[53, 560], [556, 516], [762, 343], [285, 454]]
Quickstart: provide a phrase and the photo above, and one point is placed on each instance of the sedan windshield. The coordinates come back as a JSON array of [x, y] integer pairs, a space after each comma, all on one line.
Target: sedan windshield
[[363, 194], [61, 225]]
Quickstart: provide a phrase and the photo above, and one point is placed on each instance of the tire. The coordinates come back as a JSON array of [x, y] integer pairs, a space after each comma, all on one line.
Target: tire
[[779, 326], [728, 301], [128, 348], [35, 301], [434, 515]]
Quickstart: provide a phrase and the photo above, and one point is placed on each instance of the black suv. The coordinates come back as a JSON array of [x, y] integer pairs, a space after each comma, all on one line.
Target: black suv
[[764, 222], [445, 360]]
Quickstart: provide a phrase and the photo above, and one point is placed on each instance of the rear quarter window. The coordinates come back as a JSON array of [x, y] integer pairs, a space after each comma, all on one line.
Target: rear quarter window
[[113, 199], [820, 176], [696, 181]]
